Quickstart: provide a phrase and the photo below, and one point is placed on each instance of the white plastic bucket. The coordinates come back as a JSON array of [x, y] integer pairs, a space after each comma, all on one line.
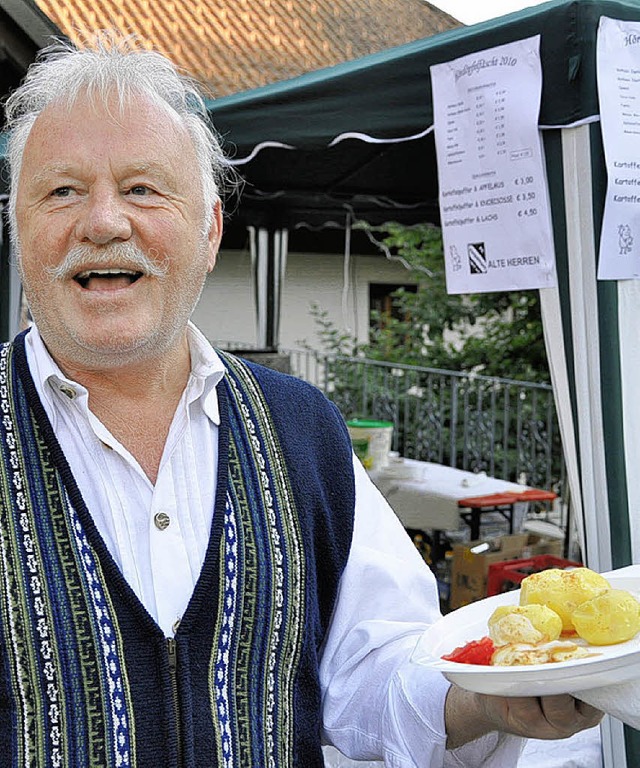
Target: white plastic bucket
[[371, 441]]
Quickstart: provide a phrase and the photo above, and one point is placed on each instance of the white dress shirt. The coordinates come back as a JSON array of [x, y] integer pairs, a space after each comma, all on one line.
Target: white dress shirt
[[376, 703]]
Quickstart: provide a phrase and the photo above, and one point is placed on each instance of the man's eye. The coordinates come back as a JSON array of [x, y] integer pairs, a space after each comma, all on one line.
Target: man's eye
[[139, 189], [61, 192]]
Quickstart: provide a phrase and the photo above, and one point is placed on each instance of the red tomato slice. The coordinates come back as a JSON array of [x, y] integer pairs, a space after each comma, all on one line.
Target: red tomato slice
[[473, 652]]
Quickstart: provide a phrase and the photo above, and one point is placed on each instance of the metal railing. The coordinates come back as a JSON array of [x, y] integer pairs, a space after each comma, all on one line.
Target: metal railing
[[504, 427]]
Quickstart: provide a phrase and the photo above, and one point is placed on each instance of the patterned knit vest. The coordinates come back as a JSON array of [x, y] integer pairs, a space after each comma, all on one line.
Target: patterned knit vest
[[87, 678]]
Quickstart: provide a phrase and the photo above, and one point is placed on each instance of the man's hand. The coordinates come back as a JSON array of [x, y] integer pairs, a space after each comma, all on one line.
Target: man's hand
[[471, 715]]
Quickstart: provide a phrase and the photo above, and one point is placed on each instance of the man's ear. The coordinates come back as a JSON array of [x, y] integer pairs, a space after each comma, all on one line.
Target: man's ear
[[214, 235]]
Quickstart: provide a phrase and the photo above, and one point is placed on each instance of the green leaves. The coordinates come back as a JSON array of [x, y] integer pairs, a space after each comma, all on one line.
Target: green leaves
[[497, 334]]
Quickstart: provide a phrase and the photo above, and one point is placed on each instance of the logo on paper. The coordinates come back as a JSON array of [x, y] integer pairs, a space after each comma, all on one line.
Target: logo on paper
[[477, 258], [625, 239], [456, 259]]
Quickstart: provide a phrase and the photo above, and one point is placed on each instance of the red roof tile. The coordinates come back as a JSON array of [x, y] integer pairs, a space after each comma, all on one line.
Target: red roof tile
[[235, 45]]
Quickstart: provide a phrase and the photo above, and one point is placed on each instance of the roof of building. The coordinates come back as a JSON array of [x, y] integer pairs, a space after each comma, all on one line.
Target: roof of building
[[236, 45]]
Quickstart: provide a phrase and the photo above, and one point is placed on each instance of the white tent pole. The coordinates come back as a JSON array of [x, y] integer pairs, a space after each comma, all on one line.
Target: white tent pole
[[556, 353], [259, 245], [262, 285], [581, 250], [280, 272], [628, 310], [586, 342], [268, 259]]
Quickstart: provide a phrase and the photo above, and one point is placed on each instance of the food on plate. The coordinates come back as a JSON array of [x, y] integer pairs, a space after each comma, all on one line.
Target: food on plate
[[474, 652], [562, 591], [524, 624], [514, 628], [528, 634], [554, 603], [519, 654], [609, 618]]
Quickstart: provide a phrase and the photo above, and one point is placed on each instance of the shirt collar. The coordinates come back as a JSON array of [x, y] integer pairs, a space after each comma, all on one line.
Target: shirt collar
[[207, 370]]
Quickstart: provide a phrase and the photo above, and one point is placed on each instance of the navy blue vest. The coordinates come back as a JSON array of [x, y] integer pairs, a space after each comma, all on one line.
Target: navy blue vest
[[87, 677]]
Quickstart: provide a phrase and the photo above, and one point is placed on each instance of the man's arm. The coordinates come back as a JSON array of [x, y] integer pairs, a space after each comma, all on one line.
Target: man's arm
[[376, 702], [471, 715]]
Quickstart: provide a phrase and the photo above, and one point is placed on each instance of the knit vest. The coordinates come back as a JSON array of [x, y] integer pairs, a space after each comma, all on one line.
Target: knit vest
[[87, 678]]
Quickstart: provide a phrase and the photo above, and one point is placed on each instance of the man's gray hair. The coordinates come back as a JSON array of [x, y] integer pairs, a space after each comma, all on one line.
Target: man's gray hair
[[108, 65]]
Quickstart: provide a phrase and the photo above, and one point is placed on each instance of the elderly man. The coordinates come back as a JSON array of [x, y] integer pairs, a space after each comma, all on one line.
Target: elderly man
[[194, 571]]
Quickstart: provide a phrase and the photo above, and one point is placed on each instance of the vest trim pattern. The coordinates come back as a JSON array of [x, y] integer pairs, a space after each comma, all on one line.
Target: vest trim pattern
[[268, 578], [63, 646]]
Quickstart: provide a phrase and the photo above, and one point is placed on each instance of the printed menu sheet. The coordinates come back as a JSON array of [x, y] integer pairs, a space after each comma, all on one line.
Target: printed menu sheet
[[494, 205], [618, 72]]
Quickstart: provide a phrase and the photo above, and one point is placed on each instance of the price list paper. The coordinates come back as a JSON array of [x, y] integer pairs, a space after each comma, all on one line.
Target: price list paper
[[618, 73], [494, 205]]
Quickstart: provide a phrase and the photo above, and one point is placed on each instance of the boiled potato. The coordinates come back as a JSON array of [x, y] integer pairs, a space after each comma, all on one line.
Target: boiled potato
[[608, 618], [543, 619], [562, 591]]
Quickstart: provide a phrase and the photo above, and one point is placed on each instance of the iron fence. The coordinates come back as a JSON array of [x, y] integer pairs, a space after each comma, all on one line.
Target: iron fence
[[504, 427]]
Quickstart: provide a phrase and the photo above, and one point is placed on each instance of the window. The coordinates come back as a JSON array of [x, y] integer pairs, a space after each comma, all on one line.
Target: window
[[381, 301]]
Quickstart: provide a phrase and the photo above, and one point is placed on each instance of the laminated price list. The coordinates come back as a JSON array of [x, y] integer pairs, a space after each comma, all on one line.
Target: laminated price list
[[493, 197]]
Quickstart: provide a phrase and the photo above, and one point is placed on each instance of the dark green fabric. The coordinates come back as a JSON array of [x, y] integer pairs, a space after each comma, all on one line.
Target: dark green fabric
[[390, 91], [388, 95]]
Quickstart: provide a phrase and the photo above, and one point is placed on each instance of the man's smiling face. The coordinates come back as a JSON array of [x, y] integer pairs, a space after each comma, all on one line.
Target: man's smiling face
[[99, 188]]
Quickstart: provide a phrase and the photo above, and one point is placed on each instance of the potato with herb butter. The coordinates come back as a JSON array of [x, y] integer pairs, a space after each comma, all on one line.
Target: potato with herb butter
[[562, 591], [507, 624], [609, 618]]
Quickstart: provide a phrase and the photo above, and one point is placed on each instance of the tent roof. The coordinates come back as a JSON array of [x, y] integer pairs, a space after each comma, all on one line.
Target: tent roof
[[387, 97]]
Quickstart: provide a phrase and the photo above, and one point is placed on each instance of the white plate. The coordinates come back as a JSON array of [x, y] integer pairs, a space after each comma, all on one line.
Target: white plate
[[613, 664]]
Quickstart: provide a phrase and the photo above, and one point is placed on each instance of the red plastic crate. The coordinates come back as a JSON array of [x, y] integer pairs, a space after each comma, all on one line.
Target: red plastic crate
[[507, 575]]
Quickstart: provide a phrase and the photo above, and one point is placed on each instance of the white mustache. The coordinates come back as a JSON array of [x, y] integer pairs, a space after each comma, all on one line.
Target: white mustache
[[121, 255]]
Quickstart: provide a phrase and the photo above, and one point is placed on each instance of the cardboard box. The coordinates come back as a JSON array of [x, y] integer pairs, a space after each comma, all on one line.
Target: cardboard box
[[542, 545], [469, 570]]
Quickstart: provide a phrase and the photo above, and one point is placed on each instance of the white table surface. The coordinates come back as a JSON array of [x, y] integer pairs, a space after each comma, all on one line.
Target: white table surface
[[425, 495]]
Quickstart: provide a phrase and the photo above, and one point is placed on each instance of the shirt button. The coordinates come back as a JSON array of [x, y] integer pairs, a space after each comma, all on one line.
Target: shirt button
[[161, 520], [68, 391]]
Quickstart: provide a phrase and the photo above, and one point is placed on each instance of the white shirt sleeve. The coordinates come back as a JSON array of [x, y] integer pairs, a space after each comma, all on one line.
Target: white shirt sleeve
[[377, 705]]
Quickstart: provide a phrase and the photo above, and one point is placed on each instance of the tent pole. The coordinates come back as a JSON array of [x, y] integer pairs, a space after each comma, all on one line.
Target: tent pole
[[268, 258], [581, 252], [628, 306]]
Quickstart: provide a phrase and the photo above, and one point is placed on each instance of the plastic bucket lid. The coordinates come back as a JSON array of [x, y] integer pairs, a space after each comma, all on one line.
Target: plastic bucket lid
[[371, 441]]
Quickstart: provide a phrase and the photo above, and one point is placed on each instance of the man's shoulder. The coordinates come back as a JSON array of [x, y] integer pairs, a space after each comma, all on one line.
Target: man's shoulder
[[290, 399], [273, 380]]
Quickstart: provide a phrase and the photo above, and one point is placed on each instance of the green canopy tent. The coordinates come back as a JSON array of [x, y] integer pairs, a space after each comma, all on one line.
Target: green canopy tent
[[356, 141], [360, 133]]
